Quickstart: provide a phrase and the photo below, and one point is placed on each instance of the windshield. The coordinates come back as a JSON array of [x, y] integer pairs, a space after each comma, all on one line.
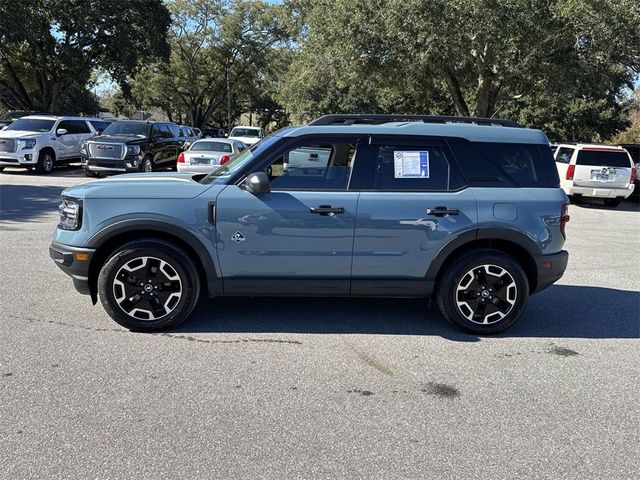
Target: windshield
[[211, 147], [127, 128], [32, 125], [245, 132], [220, 175]]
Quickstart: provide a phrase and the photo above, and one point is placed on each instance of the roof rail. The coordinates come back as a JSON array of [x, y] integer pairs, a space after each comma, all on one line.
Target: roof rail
[[376, 119]]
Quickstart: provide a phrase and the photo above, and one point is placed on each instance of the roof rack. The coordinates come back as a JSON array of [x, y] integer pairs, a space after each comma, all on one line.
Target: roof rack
[[376, 119]]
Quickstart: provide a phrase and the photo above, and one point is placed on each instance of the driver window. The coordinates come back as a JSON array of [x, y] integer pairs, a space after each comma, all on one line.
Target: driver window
[[313, 167]]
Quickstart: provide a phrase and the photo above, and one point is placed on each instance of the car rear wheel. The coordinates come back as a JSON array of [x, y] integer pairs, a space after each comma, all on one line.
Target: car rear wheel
[[90, 173], [483, 292], [612, 202], [148, 285], [45, 163]]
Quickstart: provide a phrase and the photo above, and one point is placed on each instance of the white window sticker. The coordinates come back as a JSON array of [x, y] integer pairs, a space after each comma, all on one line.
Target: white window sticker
[[411, 164]]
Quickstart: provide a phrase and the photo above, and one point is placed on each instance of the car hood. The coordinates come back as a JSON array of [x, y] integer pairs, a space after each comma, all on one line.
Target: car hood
[[20, 134], [140, 185], [246, 140], [129, 139]]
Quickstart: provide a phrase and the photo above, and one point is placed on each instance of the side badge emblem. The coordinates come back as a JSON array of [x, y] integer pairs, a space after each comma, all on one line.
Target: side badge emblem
[[237, 237]]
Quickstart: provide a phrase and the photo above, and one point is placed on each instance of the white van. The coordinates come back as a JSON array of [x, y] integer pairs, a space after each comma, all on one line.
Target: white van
[[598, 171]]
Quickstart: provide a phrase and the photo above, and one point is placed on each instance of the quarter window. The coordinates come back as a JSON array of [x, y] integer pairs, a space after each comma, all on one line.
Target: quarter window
[[564, 155]]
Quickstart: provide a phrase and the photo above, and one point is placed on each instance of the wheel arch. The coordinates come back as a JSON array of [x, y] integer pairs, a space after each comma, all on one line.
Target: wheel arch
[[510, 242], [107, 240]]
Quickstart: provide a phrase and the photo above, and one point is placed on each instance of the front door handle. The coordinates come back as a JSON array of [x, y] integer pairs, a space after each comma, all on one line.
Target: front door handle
[[442, 211], [326, 210]]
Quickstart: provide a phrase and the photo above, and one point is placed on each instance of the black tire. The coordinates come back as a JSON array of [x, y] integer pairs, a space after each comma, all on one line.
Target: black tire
[[503, 305], [612, 202], [46, 161], [90, 173], [116, 282], [147, 165], [1, 169]]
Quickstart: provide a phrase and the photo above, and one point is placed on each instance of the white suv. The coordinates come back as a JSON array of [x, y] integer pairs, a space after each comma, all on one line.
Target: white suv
[[247, 135], [41, 141], [599, 171]]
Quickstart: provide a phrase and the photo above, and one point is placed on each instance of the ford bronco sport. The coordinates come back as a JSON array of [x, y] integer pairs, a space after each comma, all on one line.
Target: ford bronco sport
[[466, 210]]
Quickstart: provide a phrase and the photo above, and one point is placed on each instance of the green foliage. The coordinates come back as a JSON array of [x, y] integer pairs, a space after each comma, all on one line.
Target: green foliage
[[556, 64], [51, 46], [220, 52]]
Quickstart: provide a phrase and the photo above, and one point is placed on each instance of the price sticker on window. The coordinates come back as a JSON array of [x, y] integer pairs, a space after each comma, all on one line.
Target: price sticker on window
[[411, 164]]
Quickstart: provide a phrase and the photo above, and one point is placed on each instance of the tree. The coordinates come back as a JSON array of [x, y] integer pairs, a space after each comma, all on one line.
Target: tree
[[631, 134], [219, 50], [50, 46], [467, 57]]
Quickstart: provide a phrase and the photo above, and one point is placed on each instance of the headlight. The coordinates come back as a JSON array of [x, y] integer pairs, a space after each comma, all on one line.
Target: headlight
[[133, 149], [27, 143], [70, 214]]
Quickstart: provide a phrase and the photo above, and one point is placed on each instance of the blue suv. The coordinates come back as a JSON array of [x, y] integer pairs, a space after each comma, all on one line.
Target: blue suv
[[465, 210]]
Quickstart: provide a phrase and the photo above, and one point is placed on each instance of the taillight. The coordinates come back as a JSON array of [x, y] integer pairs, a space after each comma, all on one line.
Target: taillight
[[564, 218], [634, 174], [181, 157], [224, 159], [570, 171]]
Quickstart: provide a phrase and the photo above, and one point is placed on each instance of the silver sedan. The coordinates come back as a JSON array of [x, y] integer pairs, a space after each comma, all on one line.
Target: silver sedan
[[207, 154]]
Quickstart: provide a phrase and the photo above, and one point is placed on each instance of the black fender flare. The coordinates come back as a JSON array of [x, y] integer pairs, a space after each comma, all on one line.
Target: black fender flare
[[488, 233], [102, 236]]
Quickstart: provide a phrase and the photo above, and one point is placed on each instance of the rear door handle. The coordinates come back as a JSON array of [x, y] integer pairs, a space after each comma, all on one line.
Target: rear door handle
[[442, 211], [326, 210]]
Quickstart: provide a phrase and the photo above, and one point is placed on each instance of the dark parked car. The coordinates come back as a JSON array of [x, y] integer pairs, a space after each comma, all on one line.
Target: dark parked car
[[213, 133], [131, 146]]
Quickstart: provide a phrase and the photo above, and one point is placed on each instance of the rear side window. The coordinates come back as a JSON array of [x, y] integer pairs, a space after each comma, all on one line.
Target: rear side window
[[98, 125], [603, 158], [564, 155], [411, 168], [489, 164]]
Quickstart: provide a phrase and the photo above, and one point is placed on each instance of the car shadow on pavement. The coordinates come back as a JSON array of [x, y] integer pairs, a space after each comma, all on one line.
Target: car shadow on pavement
[[559, 311], [25, 203], [628, 205]]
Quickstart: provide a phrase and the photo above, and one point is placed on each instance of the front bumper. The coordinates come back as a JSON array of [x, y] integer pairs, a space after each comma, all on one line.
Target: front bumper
[[130, 164], [74, 261], [550, 269], [21, 158]]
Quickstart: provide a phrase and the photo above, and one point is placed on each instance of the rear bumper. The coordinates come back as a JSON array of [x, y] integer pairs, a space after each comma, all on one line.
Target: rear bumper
[[598, 192], [65, 256], [182, 168], [550, 269]]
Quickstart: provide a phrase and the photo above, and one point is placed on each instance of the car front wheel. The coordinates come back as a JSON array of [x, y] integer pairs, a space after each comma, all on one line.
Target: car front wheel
[[148, 285], [483, 292], [147, 165], [45, 162]]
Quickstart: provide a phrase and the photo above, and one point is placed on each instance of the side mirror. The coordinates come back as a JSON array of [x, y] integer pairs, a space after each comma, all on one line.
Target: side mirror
[[61, 131], [257, 183]]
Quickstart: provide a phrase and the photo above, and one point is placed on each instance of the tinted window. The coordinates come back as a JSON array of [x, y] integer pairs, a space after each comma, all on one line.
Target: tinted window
[[402, 167], [211, 147], [564, 155], [32, 125], [603, 158], [78, 126], [176, 131], [98, 125], [313, 167], [165, 131], [506, 164], [127, 128]]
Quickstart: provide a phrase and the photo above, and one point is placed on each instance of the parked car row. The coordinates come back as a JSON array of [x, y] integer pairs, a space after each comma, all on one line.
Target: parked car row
[[40, 142]]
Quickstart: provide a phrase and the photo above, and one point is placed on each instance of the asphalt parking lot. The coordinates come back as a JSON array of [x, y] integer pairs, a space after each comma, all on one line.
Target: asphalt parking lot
[[320, 388]]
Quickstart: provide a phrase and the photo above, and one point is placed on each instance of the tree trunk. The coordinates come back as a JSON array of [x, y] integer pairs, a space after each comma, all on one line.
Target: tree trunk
[[456, 93], [483, 94]]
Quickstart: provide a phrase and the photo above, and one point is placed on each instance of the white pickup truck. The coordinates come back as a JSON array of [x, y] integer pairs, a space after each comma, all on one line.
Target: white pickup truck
[[42, 141]]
